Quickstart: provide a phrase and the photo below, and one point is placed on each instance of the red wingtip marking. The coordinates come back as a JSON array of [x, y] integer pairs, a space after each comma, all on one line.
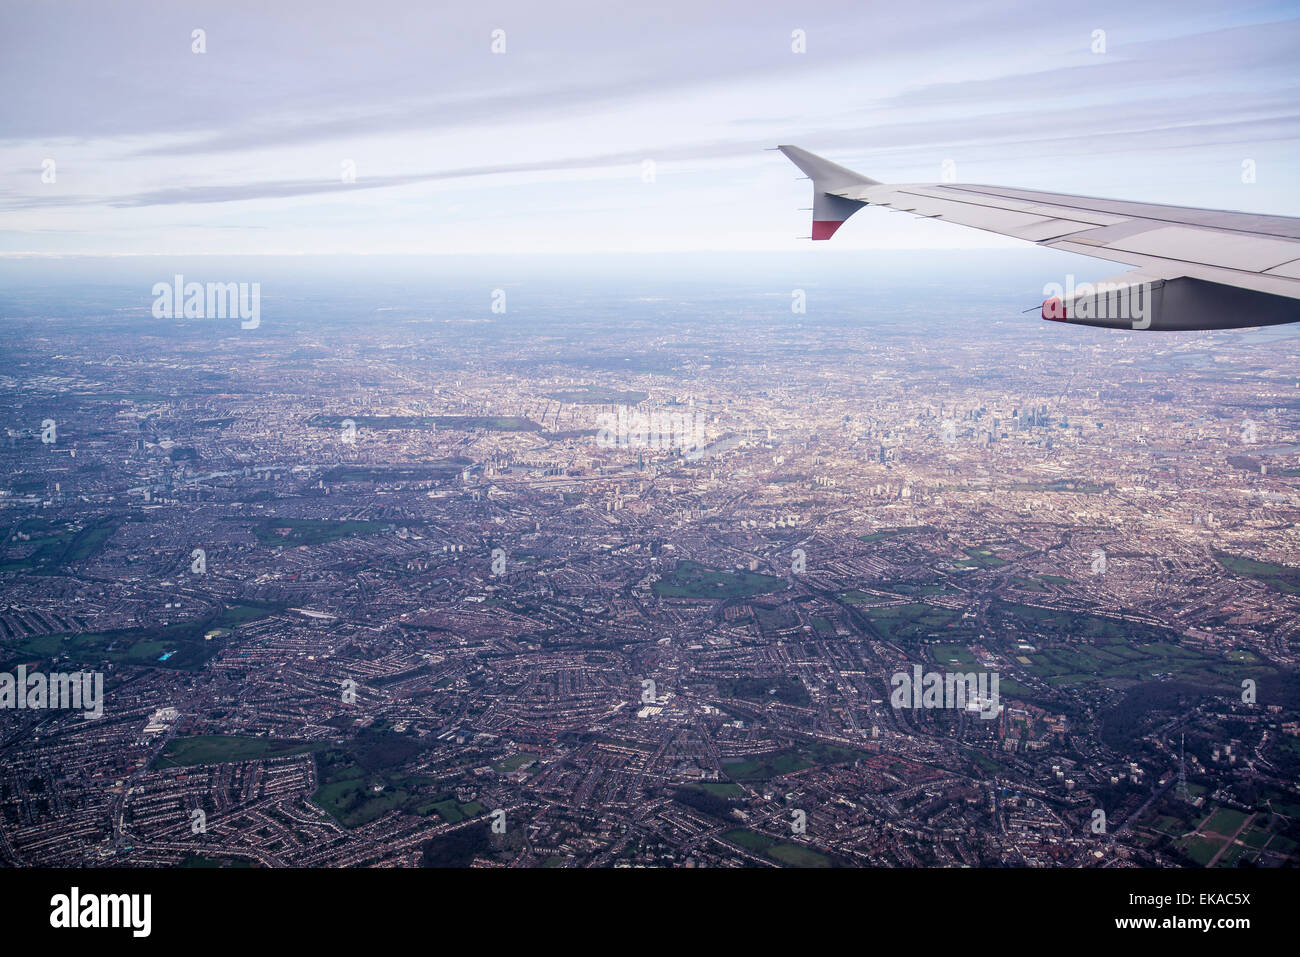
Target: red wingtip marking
[[1054, 309], [825, 228]]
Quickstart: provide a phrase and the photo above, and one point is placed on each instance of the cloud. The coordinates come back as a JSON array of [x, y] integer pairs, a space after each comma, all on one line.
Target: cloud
[[159, 147]]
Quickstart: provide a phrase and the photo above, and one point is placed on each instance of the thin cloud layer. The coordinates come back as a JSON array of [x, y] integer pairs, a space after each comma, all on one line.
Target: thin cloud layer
[[336, 129]]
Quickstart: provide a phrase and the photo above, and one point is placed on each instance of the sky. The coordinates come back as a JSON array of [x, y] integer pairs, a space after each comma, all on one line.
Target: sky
[[598, 127]]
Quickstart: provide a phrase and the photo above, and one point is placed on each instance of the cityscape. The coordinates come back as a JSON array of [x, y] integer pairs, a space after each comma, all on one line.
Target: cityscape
[[839, 455], [586, 574]]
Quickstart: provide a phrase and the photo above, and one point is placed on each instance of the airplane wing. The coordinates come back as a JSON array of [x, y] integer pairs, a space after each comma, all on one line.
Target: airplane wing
[[1195, 268]]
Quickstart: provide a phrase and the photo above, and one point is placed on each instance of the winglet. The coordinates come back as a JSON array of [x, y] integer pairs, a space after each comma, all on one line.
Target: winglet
[[829, 211]]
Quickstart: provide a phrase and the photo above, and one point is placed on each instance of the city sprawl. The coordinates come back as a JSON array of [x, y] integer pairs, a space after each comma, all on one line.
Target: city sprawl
[[576, 579]]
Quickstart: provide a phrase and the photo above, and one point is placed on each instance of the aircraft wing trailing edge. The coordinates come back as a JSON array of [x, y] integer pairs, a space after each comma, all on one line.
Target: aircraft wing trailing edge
[[1194, 268]]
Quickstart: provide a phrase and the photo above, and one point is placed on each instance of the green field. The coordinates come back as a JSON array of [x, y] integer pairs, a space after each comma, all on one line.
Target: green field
[[952, 655], [222, 749], [1217, 832], [793, 855], [1225, 821], [910, 623], [1093, 648], [797, 855], [51, 545], [1072, 624], [353, 802], [772, 764], [183, 643], [1012, 688], [453, 811], [749, 840], [312, 531], [362, 780], [1283, 578], [760, 768], [692, 580], [1117, 663], [980, 558], [1200, 849], [515, 761]]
